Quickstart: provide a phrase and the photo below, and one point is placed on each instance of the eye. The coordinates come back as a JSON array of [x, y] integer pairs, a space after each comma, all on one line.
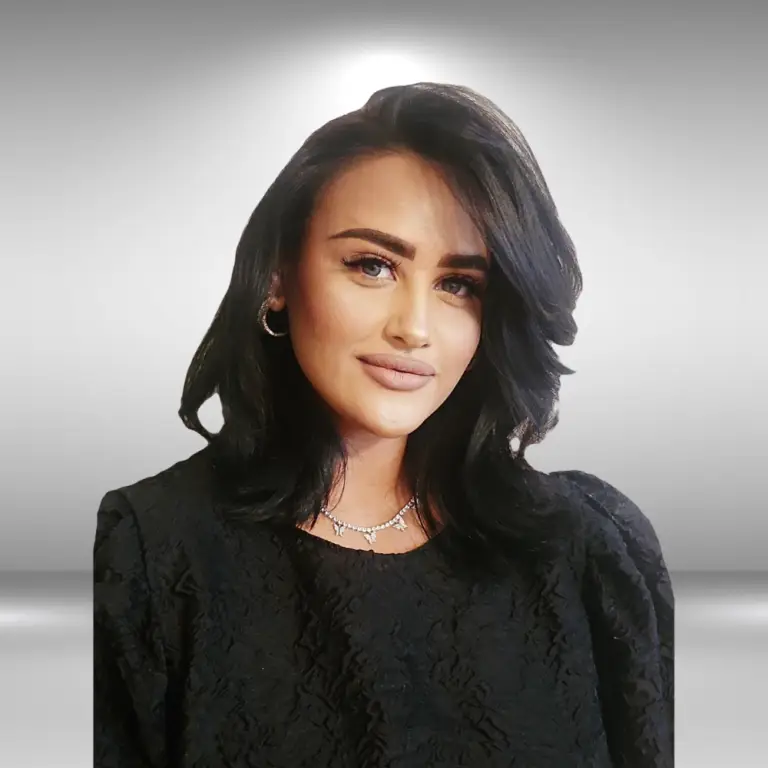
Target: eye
[[369, 266], [462, 286]]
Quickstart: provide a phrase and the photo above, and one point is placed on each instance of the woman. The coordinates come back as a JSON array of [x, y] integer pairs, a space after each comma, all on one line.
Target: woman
[[359, 569]]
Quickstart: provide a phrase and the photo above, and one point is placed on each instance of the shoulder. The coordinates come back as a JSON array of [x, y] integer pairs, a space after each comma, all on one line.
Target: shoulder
[[176, 496], [157, 524], [185, 479], [608, 505], [623, 560]]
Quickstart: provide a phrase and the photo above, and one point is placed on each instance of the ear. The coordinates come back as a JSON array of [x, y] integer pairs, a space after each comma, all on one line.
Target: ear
[[276, 293]]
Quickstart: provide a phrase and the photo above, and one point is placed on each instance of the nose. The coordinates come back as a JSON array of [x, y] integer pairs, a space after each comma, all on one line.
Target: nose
[[409, 317]]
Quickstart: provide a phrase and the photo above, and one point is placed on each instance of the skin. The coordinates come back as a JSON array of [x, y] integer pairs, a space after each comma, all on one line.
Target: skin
[[416, 306]]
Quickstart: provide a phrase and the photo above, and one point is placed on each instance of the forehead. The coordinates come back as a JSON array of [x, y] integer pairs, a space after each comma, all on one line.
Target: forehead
[[400, 194]]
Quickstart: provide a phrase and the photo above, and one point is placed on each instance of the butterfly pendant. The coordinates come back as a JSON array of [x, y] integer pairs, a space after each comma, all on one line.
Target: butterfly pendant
[[338, 528], [370, 536], [400, 525]]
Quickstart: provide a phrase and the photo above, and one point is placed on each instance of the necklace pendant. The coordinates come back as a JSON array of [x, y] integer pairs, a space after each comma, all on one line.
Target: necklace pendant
[[338, 528], [400, 525], [370, 536]]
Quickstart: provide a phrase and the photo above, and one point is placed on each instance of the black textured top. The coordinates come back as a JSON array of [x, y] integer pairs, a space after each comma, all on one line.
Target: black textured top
[[216, 649]]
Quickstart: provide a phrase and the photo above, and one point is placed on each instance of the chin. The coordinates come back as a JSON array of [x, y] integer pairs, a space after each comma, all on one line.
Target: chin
[[390, 428], [381, 415], [392, 432]]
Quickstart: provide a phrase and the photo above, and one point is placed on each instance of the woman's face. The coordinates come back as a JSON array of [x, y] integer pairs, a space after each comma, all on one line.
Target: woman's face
[[391, 266]]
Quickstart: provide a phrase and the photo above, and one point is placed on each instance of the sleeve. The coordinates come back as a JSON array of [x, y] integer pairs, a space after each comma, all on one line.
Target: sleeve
[[628, 597], [129, 674]]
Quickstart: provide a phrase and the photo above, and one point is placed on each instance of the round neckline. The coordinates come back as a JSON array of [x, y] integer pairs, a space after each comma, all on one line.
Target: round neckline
[[305, 535]]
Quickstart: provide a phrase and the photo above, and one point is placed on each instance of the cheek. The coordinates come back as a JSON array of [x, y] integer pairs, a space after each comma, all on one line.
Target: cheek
[[458, 341], [327, 319]]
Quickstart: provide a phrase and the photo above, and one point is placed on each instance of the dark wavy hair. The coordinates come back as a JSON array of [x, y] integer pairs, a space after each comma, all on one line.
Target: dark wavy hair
[[277, 452]]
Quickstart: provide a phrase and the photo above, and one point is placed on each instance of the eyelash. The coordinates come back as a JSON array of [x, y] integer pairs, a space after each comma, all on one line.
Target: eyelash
[[472, 284]]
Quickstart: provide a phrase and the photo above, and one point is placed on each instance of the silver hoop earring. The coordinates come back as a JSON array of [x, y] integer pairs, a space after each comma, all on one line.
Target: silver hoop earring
[[263, 312]]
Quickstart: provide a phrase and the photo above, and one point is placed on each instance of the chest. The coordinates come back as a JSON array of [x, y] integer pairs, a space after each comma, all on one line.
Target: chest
[[376, 665]]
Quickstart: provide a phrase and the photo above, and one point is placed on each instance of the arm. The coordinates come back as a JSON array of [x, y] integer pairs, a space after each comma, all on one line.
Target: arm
[[628, 596], [129, 674]]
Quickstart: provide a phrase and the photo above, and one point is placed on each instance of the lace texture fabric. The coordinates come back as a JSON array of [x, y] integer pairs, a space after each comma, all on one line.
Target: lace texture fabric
[[281, 650]]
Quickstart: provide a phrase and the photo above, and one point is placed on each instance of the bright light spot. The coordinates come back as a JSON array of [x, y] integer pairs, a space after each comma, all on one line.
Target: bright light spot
[[15, 617], [356, 77], [726, 611]]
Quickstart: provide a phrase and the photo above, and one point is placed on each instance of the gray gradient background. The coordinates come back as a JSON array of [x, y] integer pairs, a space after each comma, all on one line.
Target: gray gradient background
[[136, 141]]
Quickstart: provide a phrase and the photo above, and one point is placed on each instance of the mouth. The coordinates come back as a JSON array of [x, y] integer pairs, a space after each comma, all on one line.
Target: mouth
[[397, 373], [400, 364]]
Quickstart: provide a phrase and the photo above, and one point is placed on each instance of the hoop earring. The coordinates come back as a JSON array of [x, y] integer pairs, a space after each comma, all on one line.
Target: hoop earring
[[263, 312]]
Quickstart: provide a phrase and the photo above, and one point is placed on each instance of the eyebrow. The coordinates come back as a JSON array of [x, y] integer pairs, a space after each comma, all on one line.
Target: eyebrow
[[407, 251]]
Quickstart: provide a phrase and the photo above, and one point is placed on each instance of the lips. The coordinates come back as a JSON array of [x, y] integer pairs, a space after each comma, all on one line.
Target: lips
[[399, 363], [396, 373]]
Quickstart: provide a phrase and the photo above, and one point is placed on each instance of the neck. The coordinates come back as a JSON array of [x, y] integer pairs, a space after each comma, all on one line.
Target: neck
[[372, 490]]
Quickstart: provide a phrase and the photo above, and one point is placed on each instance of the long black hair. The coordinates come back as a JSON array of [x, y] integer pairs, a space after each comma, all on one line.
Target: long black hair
[[277, 453]]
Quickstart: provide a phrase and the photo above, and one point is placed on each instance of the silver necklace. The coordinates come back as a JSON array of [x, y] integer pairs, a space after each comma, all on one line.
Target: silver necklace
[[369, 532]]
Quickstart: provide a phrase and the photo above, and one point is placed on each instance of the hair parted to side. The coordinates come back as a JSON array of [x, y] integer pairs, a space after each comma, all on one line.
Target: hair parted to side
[[277, 452]]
